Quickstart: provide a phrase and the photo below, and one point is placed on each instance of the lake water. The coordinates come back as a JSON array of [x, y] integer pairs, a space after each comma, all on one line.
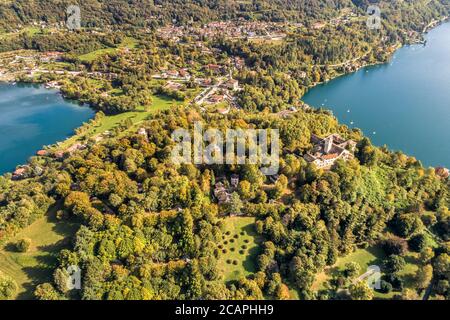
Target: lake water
[[404, 104], [31, 117]]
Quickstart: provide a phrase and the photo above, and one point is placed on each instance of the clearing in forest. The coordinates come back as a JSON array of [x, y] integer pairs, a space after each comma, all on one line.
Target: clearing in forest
[[48, 236], [238, 248]]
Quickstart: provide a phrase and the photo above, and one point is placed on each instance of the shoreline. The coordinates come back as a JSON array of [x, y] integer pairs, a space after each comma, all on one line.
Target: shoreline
[[431, 27], [53, 146], [435, 23], [397, 47], [11, 78]]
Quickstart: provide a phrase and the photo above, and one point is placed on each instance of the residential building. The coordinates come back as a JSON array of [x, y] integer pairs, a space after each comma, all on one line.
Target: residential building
[[231, 84], [442, 172], [19, 173], [172, 73], [143, 132], [221, 193], [215, 68], [327, 151], [76, 147], [175, 86]]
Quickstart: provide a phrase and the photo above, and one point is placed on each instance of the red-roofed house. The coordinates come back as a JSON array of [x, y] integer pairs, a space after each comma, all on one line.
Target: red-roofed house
[[19, 173], [442, 172], [173, 73], [215, 68], [327, 151], [232, 84]]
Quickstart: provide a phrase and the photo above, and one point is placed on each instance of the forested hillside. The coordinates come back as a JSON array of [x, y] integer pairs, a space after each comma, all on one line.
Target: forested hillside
[[152, 229], [152, 12], [97, 13]]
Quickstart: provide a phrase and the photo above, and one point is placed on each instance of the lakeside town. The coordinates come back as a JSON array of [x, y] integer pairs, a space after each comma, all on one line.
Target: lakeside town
[[216, 83], [217, 88], [173, 150]]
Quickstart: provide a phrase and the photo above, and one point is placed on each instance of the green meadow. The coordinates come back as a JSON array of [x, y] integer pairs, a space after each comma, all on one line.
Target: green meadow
[[128, 42], [110, 122], [238, 248], [365, 258], [48, 236]]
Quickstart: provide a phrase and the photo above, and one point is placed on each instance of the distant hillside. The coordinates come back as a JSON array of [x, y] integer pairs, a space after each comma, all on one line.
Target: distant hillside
[[405, 14], [150, 12]]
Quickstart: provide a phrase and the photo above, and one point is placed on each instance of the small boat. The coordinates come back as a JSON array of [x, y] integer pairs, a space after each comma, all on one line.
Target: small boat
[[374, 132], [352, 122], [348, 111]]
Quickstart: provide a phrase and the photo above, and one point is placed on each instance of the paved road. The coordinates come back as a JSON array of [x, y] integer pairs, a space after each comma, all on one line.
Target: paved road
[[205, 94]]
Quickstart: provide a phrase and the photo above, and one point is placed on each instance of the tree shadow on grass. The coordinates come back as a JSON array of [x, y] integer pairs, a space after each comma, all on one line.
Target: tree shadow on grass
[[250, 230], [38, 274], [66, 228], [10, 247], [332, 271], [379, 256], [47, 262], [410, 278], [47, 257], [411, 260], [249, 263]]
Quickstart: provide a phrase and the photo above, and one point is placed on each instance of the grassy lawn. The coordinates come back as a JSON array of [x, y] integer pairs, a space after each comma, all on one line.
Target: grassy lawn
[[31, 31], [159, 103], [365, 258], [28, 269], [410, 268], [110, 122], [128, 42], [240, 243], [28, 30], [57, 66], [91, 56]]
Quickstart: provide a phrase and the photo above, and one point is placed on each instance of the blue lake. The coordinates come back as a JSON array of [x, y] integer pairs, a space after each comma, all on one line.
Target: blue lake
[[404, 104], [31, 117]]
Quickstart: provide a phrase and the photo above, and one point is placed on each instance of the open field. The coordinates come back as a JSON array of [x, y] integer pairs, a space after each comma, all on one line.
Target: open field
[[28, 269], [110, 122], [129, 43], [91, 56], [239, 248], [28, 30], [365, 258]]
